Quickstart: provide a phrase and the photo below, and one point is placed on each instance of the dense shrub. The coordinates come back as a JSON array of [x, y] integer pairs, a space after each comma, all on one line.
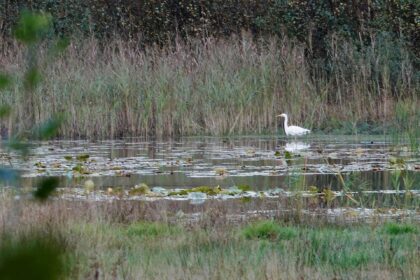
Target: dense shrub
[[160, 21]]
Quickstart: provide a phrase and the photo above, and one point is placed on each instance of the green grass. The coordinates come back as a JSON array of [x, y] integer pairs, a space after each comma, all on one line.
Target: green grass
[[397, 229], [325, 250], [116, 240], [151, 230], [269, 230]]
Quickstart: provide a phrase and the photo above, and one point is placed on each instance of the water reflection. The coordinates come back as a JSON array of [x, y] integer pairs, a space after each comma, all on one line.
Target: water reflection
[[296, 146]]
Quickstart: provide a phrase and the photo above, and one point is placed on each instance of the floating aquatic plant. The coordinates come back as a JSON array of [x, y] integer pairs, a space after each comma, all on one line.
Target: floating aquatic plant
[[56, 165], [397, 162], [141, 189], [220, 171], [80, 169], [40, 165], [180, 192], [244, 188], [89, 186], [82, 157], [201, 189]]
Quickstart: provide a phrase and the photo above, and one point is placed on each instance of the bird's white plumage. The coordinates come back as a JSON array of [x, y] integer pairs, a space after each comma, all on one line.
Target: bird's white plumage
[[293, 130]]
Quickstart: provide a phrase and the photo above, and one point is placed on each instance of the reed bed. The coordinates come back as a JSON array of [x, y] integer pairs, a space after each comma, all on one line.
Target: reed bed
[[213, 87]]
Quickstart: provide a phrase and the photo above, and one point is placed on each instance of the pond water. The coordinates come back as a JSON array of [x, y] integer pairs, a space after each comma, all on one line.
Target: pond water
[[368, 162]]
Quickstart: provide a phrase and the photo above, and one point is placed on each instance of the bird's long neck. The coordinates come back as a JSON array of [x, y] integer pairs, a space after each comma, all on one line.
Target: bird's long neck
[[285, 122]]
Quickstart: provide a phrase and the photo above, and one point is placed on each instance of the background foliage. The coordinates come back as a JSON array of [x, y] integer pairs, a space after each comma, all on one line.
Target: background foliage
[[160, 21]]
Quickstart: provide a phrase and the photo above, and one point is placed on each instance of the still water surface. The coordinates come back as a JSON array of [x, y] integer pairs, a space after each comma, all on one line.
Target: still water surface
[[260, 162]]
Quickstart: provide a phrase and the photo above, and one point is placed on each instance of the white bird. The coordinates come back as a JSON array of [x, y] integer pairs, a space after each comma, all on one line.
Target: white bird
[[293, 130]]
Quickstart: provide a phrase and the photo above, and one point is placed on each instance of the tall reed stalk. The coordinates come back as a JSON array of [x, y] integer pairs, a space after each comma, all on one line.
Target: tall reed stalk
[[213, 87]]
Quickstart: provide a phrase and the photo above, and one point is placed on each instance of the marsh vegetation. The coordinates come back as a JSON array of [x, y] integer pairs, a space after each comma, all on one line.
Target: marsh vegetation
[[100, 177], [217, 87], [158, 240], [198, 207]]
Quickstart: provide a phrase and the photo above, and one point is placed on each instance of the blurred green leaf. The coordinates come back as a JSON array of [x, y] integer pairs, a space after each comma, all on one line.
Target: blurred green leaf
[[32, 257], [4, 111], [32, 27], [32, 78], [45, 188], [49, 129], [4, 81]]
